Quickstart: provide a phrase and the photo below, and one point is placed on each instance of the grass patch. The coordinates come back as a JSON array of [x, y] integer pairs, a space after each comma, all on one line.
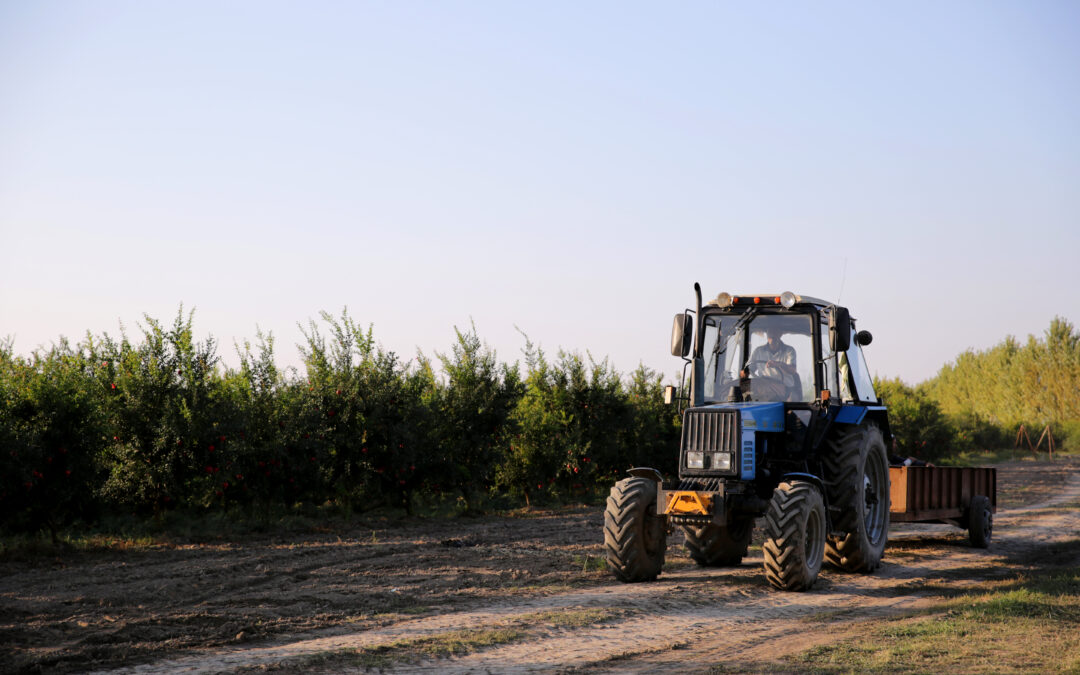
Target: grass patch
[[590, 563], [1028, 625]]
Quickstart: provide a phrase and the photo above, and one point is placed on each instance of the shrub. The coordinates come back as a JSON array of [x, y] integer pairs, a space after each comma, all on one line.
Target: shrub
[[51, 429], [160, 404], [919, 428], [472, 408]]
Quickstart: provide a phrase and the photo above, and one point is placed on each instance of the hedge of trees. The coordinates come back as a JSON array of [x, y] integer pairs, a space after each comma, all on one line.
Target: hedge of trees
[[982, 398], [112, 425], [148, 426]]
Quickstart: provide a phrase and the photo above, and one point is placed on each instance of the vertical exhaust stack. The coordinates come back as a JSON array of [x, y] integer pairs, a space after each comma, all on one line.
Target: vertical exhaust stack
[[697, 375], [697, 319]]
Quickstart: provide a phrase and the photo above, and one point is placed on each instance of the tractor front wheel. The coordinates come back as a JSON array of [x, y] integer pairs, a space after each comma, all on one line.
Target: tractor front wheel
[[795, 536], [635, 538]]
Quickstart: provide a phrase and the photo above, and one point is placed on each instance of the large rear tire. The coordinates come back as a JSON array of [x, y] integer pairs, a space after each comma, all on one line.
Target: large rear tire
[[635, 538], [719, 546], [857, 478], [795, 536]]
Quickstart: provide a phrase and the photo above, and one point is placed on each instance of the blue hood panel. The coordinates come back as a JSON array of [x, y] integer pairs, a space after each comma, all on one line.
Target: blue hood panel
[[757, 416]]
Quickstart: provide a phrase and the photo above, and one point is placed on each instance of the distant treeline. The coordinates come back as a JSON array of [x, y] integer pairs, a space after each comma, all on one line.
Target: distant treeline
[[112, 425], [982, 398]]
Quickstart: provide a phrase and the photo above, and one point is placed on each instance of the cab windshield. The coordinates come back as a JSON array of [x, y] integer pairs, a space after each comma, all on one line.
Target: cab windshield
[[758, 357]]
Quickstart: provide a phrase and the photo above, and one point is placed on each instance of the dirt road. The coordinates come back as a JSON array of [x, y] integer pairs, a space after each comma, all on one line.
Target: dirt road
[[499, 594]]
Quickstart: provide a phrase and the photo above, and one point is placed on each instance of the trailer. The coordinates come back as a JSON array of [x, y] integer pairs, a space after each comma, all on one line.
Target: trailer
[[962, 496]]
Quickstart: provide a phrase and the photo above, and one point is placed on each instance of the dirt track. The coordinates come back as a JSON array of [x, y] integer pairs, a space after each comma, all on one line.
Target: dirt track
[[296, 605]]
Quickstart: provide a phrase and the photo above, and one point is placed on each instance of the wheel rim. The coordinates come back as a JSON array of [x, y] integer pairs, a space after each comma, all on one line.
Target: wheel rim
[[874, 497]]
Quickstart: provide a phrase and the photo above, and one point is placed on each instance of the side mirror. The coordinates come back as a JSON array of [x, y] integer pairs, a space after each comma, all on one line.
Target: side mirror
[[682, 332], [863, 338], [839, 329], [669, 395]]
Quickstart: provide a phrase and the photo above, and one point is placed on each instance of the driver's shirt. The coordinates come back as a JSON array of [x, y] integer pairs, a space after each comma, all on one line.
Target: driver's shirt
[[783, 353]]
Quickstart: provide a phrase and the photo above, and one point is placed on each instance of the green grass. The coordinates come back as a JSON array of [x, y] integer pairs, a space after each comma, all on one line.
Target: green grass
[[590, 563], [1031, 624]]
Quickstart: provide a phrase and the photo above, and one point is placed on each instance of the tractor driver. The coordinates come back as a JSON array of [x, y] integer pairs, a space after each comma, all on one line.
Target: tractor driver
[[774, 360]]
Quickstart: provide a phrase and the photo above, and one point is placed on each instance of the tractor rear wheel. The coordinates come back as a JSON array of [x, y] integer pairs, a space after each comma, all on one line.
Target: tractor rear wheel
[[980, 521], [857, 480], [795, 536], [719, 546], [635, 538]]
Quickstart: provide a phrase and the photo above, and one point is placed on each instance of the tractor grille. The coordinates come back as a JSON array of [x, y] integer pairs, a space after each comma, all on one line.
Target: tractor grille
[[708, 432], [711, 431]]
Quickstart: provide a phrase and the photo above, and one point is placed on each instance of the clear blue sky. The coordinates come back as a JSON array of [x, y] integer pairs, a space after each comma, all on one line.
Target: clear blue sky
[[568, 168]]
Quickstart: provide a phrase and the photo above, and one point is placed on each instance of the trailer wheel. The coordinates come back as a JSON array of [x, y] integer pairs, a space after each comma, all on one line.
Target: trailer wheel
[[980, 521], [718, 546], [634, 536], [795, 536], [857, 479]]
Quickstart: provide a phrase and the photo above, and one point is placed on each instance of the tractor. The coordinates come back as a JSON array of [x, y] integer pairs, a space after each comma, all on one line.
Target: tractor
[[780, 423]]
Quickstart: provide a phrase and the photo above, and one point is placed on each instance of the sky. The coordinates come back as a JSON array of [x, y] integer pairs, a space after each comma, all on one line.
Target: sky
[[563, 170]]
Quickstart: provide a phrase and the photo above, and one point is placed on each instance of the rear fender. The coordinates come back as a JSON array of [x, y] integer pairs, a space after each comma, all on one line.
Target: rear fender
[[646, 472]]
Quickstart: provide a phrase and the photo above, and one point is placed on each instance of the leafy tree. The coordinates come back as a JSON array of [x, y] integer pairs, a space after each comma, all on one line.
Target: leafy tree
[[652, 439], [541, 420], [160, 405], [51, 428], [472, 407], [366, 408], [917, 423]]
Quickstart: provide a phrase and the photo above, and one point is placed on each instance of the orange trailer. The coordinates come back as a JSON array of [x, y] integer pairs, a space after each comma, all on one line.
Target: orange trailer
[[961, 496]]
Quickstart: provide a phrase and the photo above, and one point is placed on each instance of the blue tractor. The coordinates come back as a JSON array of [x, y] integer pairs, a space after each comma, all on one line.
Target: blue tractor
[[781, 423]]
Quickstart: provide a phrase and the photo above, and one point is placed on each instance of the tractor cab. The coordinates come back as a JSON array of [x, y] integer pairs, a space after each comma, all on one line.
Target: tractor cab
[[777, 370], [783, 348]]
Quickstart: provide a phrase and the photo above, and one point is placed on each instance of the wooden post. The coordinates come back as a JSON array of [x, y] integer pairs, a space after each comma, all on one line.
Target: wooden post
[[1022, 433]]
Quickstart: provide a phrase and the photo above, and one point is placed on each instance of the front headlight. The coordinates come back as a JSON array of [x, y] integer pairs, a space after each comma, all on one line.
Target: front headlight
[[721, 461], [695, 460]]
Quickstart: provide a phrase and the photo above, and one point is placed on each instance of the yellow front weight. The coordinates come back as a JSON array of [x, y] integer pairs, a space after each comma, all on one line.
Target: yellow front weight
[[687, 502]]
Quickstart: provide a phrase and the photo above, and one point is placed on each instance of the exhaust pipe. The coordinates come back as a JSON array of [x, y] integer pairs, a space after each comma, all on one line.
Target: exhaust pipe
[[697, 375]]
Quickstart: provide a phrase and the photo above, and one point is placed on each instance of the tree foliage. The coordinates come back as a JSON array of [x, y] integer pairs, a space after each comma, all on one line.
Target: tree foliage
[[157, 423], [1034, 383]]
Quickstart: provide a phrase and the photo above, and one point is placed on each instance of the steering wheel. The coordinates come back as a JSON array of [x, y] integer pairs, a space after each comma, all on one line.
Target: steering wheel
[[759, 368]]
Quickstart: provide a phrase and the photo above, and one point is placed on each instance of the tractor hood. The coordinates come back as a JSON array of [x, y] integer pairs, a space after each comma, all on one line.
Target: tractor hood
[[711, 429], [755, 416]]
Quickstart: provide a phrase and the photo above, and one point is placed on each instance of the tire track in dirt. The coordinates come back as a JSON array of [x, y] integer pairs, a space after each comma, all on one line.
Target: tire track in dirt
[[691, 617]]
